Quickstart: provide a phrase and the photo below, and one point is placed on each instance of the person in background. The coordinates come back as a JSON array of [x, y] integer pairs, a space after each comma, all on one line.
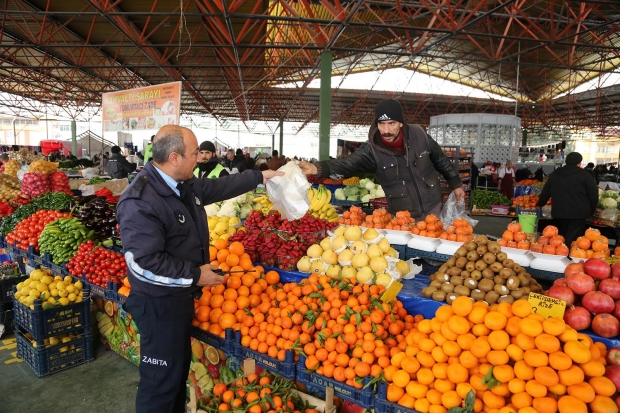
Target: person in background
[[506, 175], [165, 237], [523, 173], [208, 165], [275, 162], [54, 156], [590, 169], [118, 167], [475, 172], [405, 160], [96, 158], [539, 175], [71, 157], [233, 163], [574, 195], [4, 158], [148, 151], [249, 162]]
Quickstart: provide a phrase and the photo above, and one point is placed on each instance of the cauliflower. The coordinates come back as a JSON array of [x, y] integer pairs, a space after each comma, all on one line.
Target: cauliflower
[[229, 209], [212, 210], [609, 203], [340, 195], [245, 211], [241, 199], [379, 192]]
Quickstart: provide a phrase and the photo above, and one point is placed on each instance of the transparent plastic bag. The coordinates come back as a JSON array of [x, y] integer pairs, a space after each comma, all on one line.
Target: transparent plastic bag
[[452, 210], [289, 192]]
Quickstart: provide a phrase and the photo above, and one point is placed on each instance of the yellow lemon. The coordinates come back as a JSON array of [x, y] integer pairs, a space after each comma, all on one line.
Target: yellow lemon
[[72, 297], [78, 285], [70, 288], [64, 301]]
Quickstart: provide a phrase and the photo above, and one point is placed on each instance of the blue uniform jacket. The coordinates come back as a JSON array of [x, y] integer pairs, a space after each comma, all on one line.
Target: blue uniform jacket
[[163, 245]]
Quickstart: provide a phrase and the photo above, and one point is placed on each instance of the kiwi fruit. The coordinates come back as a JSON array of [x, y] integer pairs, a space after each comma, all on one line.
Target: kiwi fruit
[[444, 267], [506, 299], [428, 291], [477, 295], [470, 266], [494, 247], [451, 297], [496, 267], [512, 282], [499, 280], [464, 274], [508, 263], [456, 280], [481, 265], [473, 256], [526, 290], [524, 281], [476, 275], [481, 240], [505, 273], [439, 296], [461, 252], [450, 263], [432, 277], [488, 273], [454, 271], [491, 297], [461, 262], [482, 249], [501, 289], [486, 285], [442, 276], [447, 287], [517, 268], [489, 258], [436, 284], [501, 256], [470, 245], [470, 283], [518, 293], [462, 290]]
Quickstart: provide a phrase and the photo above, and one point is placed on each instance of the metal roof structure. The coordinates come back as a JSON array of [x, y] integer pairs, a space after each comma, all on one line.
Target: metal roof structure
[[230, 55]]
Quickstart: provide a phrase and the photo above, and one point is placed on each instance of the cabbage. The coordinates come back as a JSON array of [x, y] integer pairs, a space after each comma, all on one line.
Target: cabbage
[[352, 198], [351, 190], [363, 192], [609, 203], [610, 194], [366, 198], [362, 183], [212, 210], [241, 199], [372, 193], [340, 195], [369, 185], [379, 192]]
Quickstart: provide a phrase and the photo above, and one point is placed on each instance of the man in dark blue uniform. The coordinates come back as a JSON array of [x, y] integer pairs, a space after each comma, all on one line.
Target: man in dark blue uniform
[[165, 240]]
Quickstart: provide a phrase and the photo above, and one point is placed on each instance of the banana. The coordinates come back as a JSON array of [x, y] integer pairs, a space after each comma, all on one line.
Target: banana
[[311, 194], [314, 206], [322, 198], [326, 207], [259, 198], [329, 195]]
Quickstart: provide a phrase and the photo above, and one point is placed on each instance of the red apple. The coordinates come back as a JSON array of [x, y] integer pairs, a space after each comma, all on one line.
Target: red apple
[[598, 303], [563, 293], [613, 373], [597, 268], [573, 268], [613, 355], [615, 271], [580, 283], [577, 317], [560, 281], [611, 287], [606, 325]]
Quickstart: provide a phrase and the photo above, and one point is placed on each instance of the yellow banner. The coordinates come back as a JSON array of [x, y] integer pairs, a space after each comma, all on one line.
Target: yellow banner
[[145, 108]]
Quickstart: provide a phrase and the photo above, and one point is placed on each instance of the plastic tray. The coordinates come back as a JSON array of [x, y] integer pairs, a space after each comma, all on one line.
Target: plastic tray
[[575, 259], [55, 321], [515, 251], [6, 288], [363, 397], [45, 361], [284, 368], [227, 345], [548, 257]]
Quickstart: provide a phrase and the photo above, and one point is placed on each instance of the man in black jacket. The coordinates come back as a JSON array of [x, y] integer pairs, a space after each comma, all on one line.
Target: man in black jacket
[[574, 195], [405, 160], [234, 163], [118, 167]]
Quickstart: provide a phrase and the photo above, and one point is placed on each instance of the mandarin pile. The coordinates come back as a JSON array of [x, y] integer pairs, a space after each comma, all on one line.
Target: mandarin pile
[[512, 359], [432, 227], [591, 245]]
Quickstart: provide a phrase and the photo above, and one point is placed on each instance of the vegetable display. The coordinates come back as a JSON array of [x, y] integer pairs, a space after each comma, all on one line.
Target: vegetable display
[[62, 237], [608, 199], [28, 231], [95, 180], [98, 264], [11, 167], [54, 200], [98, 215], [484, 199], [9, 187], [9, 222], [60, 182], [364, 190], [43, 167], [35, 184], [239, 206]]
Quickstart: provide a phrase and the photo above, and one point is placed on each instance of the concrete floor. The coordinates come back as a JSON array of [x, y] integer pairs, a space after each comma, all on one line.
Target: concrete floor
[[108, 384]]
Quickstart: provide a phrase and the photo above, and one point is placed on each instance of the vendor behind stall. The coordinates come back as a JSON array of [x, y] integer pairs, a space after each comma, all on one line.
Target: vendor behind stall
[[506, 175]]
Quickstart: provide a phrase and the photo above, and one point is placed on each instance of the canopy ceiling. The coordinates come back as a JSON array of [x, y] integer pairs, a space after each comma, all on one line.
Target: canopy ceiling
[[231, 54]]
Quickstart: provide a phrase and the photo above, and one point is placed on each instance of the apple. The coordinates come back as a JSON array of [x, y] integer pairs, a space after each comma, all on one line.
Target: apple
[[613, 355], [580, 283], [577, 317], [611, 287], [597, 268], [613, 373], [560, 281], [615, 271], [606, 325], [573, 268], [597, 302], [563, 293]]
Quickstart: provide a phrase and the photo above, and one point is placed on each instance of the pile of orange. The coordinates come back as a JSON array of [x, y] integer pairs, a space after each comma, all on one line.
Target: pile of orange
[[514, 237], [512, 359], [354, 216], [591, 245], [432, 227], [225, 306], [380, 219]]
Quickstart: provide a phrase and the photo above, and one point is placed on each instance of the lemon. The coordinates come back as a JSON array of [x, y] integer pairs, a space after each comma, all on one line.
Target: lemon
[[68, 279], [47, 280], [27, 282], [220, 228], [30, 299], [70, 288], [34, 293], [22, 299], [34, 284], [17, 295], [60, 285], [66, 339], [231, 230], [78, 285], [25, 291], [63, 293], [223, 219], [44, 295], [234, 222], [225, 236], [72, 297], [64, 301], [51, 300], [19, 286], [54, 292], [212, 222], [54, 341], [78, 299], [58, 278], [42, 287], [36, 275]]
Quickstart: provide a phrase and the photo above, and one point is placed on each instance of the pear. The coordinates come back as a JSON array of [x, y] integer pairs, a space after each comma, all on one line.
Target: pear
[[304, 264], [383, 279], [329, 257], [384, 244], [360, 260], [345, 257], [340, 230], [333, 271], [338, 242], [364, 274], [370, 235], [317, 267], [374, 251], [348, 272], [353, 233], [359, 247], [326, 243], [378, 264], [315, 251]]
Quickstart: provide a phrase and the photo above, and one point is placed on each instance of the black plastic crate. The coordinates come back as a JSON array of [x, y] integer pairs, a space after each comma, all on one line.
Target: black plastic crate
[[6, 288], [7, 319], [286, 368], [45, 361], [95, 289], [112, 293], [55, 321], [56, 269], [382, 405], [227, 345]]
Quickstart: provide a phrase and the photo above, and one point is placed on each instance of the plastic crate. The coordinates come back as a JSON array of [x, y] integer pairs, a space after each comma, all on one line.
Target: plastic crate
[[46, 361], [2, 241], [334, 201], [112, 293], [6, 288], [95, 289], [55, 321], [56, 269], [284, 368], [401, 249], [7, 319], [363, 397], [382, 405], [227, 345]]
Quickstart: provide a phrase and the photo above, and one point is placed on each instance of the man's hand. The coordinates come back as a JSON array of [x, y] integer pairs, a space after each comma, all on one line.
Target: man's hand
[[459, 194], [208, 277], [307, 168], [268, 174]]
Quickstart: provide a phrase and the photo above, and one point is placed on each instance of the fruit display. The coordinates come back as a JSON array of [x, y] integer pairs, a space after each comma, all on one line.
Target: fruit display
[[503, 358], [62, 237], [222, 227], [460, 230], [591, 245], [9, 187], [319, 204], [98, 264], [27, 232], [98, 215], [35, 184], [364, 190], [59, 182], [239, 206], [263, 204], [513, 237], [528, 182], [481, 271], [54, 341], [380, 218], [43, 167], [352, 253], [526, 201], [51, 290], [592, 293], [25, 156], [210, 366], [482, 199], [11, 168]]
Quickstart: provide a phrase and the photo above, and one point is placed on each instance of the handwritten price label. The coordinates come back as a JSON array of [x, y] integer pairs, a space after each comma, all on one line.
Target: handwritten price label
[[548, 307]]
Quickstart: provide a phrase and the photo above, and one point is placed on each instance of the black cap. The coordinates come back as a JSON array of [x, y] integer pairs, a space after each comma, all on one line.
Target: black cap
[[389, 109], [207, 146], [573, 158], [115, 149]]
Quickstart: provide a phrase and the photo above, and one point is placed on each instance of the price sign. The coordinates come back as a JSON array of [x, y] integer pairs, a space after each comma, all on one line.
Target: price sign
[[548, 307], [391, 292]]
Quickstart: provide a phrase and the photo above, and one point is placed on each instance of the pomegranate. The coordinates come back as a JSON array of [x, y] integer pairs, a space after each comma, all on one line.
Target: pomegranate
[[580, 283], [615, 271], [613, 373], [597, 268], [611, 287], [560, 281], [563, 293], [606, 325], [613, 355], [616, 312], [573, 268], [577, 317], [597, 302]]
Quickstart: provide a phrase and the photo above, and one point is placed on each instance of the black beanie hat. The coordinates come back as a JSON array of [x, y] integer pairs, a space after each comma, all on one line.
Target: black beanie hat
[[574, 158], [389, 109], [207, 146]]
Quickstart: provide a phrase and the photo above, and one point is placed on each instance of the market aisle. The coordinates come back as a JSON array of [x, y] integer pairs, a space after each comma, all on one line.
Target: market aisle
[[108, 384]]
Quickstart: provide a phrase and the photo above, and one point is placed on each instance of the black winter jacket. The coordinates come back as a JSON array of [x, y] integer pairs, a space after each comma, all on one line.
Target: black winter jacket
[[118, 167], [410, 180], [573, 191], [237, 162], [164, 245]]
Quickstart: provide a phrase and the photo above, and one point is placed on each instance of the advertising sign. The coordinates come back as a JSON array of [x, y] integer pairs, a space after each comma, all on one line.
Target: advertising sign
[[145, 108]]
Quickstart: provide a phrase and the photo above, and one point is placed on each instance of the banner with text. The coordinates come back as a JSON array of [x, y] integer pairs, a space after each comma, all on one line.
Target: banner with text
[[145, 108]]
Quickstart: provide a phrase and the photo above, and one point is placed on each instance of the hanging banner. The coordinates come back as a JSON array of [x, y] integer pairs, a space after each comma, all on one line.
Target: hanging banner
[[145, 108]]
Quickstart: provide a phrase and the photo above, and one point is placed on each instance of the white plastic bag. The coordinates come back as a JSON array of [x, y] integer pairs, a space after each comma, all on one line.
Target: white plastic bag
[[452, 210], [289, 192], [88, 173]]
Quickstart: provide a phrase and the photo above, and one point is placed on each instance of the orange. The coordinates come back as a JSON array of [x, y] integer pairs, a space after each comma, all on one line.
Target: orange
[[583, 391], [468, 360], [222, 254], [521, 400], [477, 314], [425, 376], [531, 327], [401, 378], [503, 373], [515, 352], [212, 253], [443, 313], [535, 389], [394, 393], [545, 405], [492, 400], [554, 326], [227, 320], [573, 375], [523, 370], [547, 343], [570, 404], [462, 306], [409, 364], [593, 368], [495, 320], [602, 386], [521, 308], [536, 358], [498, 357], [232, 260], [236, 248], [451, 398], [480, 347], [577, 351], [219, 244], [416, 390], [440, 370], [499, 340], [457, 373], [602, 404], [560, 361], [516, 386], [546, 376], [202, 313]]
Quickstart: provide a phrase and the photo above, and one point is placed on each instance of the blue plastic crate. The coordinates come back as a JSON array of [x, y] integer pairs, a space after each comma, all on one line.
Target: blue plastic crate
[[227, 345], [56, 269], [402, 251], [363, 397], [37, 259], [413, 253], [95, 289], [112, 293], [55, 321], [45, 361], [6, 288], [382, 405], [284, 368]]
